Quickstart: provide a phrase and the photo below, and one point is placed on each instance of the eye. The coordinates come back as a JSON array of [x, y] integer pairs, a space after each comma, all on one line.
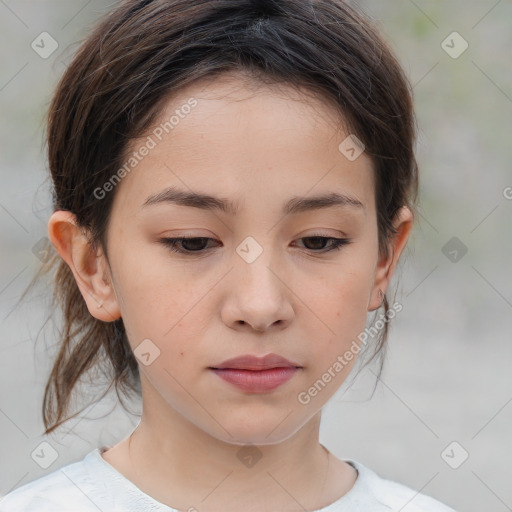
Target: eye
[[336, 243], [198, 245], [191, 245]]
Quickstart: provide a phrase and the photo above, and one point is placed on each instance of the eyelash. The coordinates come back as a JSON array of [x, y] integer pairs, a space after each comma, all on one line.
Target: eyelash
[[171, 243]]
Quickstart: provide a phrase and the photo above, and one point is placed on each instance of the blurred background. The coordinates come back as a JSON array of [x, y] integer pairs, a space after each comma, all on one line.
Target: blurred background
[[440, 418]]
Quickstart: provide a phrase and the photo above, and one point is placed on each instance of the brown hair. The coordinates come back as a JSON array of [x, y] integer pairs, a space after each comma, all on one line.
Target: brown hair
[[144, 51]]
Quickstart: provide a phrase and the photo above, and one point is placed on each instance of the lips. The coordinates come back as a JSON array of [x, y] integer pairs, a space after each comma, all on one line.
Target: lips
[[256, 374], [249, 362]]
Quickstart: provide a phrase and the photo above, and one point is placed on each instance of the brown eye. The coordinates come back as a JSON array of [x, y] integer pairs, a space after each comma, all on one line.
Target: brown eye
[[199, 245], [186, 245], [317, 243]]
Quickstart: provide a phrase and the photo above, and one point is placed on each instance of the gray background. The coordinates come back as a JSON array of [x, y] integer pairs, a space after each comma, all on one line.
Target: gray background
[[447, 376]]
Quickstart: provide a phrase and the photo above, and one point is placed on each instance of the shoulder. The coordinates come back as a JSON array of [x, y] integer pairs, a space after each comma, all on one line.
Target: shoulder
[[394, 496], [55, 492]]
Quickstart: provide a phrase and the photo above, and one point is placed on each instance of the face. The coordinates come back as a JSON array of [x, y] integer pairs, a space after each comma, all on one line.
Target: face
[[261, 274]]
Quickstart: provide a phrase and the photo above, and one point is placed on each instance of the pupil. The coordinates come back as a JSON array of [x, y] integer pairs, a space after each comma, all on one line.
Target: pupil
[[317, 239], [193, 243]]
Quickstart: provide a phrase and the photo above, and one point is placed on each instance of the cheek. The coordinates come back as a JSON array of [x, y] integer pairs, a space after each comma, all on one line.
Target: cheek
[[338, 308], [156, 299], [341, 291]]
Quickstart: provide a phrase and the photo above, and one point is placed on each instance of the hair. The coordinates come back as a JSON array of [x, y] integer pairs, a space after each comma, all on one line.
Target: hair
[[144, 51]]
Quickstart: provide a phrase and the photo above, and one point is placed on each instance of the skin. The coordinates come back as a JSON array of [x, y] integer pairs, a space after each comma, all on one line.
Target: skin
[[258, 145]]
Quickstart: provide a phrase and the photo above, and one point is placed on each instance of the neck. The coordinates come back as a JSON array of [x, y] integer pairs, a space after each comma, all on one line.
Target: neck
[[182, 466]]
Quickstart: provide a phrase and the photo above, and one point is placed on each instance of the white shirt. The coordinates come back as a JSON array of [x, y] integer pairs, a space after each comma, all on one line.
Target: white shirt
[[93, 485]]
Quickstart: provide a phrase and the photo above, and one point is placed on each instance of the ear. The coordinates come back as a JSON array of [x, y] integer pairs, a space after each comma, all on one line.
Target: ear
[[90, 267], [386, 265]]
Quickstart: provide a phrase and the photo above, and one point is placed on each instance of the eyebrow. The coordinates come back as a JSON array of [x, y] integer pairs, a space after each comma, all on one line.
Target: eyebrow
[[296, 204]]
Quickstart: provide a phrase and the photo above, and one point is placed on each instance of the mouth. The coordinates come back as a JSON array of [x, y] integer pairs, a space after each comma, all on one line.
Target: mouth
[[256, 374]]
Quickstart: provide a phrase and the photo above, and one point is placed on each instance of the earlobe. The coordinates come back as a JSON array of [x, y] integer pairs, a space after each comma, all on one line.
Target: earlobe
[[89, 265], [387, 265]]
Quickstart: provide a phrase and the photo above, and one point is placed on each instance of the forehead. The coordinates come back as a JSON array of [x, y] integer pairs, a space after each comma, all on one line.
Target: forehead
[[237, 101], [240, 137]]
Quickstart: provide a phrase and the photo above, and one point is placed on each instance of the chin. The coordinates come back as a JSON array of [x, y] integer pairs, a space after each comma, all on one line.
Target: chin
[[257, 429]]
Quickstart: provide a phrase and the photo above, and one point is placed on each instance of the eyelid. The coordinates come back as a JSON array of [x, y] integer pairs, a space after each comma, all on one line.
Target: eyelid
[[334, 244]]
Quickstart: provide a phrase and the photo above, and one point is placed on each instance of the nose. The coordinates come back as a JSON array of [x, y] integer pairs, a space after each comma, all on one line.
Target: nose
[[257, 297]]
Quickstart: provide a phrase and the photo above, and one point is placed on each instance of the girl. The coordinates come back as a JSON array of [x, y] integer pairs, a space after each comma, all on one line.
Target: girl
[[234, 184]]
